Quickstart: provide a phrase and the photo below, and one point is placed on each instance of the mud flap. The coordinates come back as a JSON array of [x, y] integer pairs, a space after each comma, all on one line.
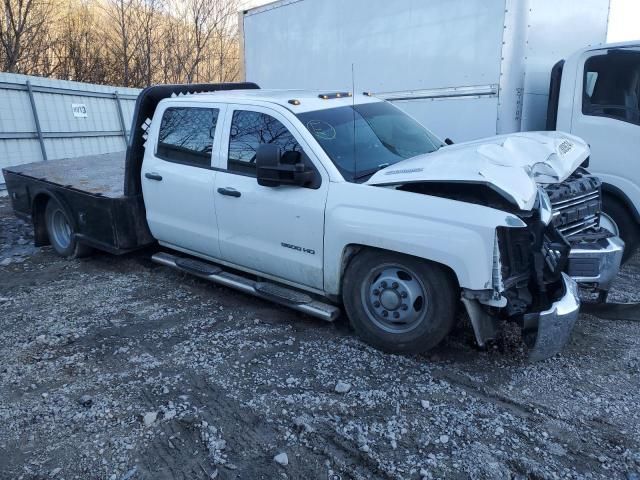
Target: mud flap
[[554, 326]]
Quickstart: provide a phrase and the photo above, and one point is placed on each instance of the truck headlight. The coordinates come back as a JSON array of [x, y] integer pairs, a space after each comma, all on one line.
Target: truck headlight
[[546, 210], [543, 172]]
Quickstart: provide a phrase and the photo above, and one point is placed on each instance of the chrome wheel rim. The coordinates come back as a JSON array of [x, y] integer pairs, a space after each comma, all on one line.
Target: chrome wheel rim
[[607, 222], [61, 229], [394, 298]]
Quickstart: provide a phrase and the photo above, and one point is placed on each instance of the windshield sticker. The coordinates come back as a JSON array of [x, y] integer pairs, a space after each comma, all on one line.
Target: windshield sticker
[[321, 129]]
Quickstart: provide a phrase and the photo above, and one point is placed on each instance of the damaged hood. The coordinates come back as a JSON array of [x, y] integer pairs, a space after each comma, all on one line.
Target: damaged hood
[[513, 164]]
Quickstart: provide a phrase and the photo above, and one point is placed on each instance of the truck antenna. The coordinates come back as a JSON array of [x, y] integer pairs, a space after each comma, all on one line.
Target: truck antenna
[[353, 111]]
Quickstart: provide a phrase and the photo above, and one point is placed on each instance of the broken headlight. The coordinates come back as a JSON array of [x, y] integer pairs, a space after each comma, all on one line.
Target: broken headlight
[[544, 204]]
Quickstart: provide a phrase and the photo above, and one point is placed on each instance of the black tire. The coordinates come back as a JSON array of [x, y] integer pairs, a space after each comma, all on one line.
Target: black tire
[[61, 232], [433, 318], [628, 228]]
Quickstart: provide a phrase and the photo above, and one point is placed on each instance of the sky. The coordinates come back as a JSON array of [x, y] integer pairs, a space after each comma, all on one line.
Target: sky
[[624, 18]]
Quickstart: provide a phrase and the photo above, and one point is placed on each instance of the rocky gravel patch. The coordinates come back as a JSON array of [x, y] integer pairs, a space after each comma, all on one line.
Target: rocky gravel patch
[[116, 368]]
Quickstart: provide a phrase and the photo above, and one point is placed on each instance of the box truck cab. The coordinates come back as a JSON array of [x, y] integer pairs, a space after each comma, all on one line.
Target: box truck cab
[[595, 94]]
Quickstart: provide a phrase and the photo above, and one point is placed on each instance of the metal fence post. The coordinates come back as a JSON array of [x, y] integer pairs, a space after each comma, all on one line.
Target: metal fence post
[[37, 121], [123, 126]]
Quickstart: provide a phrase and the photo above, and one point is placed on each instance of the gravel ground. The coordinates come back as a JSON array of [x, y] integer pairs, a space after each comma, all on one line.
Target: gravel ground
[[115, 368]]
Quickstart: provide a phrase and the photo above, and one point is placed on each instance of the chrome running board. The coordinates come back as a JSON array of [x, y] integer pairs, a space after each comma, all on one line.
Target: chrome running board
[[286, 296]]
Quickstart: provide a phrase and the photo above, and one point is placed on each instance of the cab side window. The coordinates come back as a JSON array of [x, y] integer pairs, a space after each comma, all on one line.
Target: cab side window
[[186, 135], [612, 86], [251, 129]]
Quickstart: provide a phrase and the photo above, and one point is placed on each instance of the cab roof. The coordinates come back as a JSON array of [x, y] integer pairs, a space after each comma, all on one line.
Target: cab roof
[[298, 101]]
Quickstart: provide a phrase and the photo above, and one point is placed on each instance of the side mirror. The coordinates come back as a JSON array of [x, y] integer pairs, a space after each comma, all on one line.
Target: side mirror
[[272, 172], [448, 141]]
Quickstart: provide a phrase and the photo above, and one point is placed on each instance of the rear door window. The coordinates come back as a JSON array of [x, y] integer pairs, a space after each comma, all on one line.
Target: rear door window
[[186, 135]]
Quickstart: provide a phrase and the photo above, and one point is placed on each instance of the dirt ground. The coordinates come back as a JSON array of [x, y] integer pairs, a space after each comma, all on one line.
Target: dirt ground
[[116, 368]]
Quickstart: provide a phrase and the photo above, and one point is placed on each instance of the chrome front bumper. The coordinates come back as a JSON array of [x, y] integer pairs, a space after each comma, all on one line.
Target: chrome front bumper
[[554, 326], [596, 265]]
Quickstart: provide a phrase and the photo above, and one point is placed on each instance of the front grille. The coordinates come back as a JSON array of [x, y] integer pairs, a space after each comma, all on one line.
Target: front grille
[[576, 203]]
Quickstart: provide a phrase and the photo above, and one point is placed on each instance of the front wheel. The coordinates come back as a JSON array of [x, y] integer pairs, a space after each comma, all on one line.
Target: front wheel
[[397, 303], [62, 233]]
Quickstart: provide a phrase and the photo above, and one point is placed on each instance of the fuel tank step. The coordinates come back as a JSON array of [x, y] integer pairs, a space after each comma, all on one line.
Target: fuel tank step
[[286, 296]]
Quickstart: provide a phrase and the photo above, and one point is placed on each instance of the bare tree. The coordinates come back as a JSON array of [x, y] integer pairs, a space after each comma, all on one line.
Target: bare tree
[[78, 51], [22, 31], [193, 38], [122, 42], [148, 39], [120, 36]]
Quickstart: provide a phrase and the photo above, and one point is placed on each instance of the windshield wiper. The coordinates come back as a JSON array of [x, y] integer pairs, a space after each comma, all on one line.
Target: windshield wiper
[[371, 171], [389, 147]]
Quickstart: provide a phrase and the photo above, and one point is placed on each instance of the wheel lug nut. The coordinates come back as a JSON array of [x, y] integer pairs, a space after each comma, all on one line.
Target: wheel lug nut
[[383, 284], [385, 313], [404, 307], [403, 294], [396, 315], [394, 285], [376, 292], [376, 304]]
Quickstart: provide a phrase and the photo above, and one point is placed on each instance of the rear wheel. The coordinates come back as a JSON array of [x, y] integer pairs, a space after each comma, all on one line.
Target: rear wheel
[[62, 233], [398, 303], [618, 220]]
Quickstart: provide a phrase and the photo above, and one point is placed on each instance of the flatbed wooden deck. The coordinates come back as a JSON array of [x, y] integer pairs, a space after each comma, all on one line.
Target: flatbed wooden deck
[[95, 174]]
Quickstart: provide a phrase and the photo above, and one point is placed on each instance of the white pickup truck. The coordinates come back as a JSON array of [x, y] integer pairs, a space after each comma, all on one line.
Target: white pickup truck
[[316, 200]]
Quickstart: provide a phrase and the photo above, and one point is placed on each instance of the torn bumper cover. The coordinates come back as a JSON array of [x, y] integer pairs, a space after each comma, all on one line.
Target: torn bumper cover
[[547, 332]]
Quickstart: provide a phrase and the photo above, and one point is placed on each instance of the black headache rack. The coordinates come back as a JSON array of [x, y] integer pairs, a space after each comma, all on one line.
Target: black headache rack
[[101, 193]]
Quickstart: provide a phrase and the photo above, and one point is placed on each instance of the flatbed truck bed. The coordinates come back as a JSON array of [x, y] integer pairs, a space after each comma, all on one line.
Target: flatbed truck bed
[[92, 189], [101, 175]]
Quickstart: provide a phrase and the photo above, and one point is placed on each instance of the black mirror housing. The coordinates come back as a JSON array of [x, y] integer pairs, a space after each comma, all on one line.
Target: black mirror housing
[[271, 172]]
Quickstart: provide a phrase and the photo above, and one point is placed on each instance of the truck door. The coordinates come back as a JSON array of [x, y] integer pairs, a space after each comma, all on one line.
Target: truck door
[[275, 230], [607, 115], [178, 178]]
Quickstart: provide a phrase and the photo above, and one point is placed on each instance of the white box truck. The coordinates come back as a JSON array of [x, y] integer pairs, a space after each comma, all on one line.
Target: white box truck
[[469, 69]]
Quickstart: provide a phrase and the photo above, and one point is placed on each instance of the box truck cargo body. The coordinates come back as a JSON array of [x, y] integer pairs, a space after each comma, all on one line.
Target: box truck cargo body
[[465, 68], [468, 69]]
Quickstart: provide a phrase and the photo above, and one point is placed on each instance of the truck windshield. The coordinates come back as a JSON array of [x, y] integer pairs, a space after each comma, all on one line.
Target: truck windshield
[[362, 139]]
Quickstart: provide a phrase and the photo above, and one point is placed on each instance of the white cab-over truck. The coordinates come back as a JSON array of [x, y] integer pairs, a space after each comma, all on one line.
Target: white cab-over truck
[[469, 69], [317, 200]]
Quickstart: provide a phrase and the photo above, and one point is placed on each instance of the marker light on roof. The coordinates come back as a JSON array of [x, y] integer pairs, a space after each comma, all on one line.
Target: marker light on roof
[[294, 101], [327, 96]]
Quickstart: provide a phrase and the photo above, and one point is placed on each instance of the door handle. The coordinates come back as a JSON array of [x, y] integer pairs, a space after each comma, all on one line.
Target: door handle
[[153, 176], [231, 192]]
